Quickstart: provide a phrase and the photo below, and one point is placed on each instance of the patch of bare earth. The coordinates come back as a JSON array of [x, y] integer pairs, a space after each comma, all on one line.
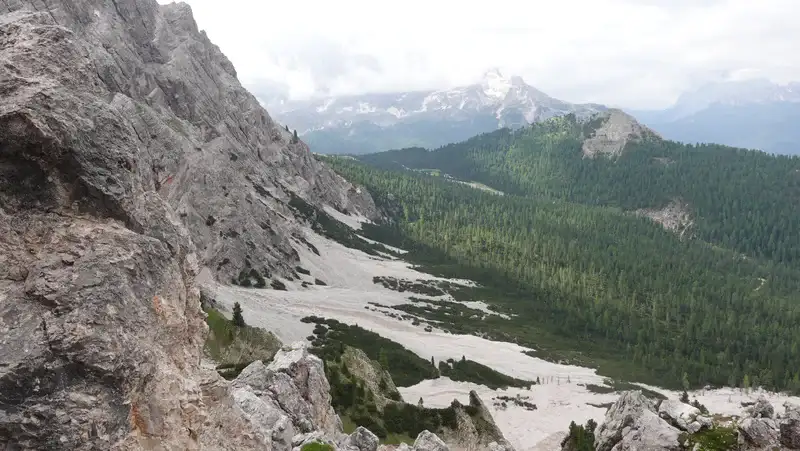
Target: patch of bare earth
[[675, 217]]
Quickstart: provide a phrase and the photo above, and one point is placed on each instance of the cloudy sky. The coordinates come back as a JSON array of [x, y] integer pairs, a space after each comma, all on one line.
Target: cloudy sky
[[631, 53]]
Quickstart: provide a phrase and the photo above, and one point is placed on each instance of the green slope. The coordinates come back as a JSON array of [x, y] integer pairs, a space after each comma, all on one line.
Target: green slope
[[743, 200]]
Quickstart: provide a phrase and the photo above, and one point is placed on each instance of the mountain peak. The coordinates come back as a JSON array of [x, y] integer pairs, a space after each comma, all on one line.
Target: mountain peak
[[492, 73], [494, 84]]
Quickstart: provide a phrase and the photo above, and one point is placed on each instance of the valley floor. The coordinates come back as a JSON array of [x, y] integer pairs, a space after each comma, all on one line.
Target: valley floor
[[561, 397]]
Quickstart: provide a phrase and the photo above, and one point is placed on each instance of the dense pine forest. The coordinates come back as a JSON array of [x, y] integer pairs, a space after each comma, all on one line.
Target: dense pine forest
[[560, 252], [740, 199]]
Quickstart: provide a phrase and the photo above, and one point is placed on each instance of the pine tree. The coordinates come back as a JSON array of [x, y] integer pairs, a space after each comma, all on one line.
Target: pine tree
[[383, 359], [238, 319]]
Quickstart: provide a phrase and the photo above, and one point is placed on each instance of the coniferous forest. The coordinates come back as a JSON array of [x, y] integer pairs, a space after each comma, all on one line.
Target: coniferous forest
[[562, 253]]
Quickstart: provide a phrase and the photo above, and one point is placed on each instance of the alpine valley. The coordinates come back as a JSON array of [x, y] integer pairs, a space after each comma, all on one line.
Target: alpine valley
[[178, 271]]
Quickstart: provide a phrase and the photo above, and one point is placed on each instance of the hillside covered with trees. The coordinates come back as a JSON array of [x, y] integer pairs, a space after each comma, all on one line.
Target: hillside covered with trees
[[741, 199], [584, 279]]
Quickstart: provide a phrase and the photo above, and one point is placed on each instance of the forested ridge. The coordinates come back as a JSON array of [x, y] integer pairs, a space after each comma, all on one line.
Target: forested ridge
[[741, 199], [666, 309]]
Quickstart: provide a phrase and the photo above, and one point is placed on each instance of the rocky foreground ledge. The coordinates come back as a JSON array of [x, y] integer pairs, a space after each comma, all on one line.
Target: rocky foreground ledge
[[635, 422], [289, 403]]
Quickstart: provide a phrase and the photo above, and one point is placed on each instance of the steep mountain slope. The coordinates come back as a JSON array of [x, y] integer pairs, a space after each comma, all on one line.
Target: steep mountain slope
[[754, 114], [130, 159], [374, 122], [742, 200]]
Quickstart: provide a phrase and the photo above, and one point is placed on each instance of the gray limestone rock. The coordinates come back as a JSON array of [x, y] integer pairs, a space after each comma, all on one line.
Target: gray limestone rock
[[308, 375], [790, 427], [633, 424], [428, 441], [130, 159], [678, 414], [758, 433], [762, 409], [360, 440]]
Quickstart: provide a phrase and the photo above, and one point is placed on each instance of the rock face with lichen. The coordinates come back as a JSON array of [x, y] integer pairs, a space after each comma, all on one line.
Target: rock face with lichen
[[130, 159]]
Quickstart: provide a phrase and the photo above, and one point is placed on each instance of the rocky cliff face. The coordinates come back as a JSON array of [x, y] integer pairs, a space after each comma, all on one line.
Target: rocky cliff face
[[136, 93], [130, 158]]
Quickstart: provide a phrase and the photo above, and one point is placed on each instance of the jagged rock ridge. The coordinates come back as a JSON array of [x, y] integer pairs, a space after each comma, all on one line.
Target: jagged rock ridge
[[130, 158]]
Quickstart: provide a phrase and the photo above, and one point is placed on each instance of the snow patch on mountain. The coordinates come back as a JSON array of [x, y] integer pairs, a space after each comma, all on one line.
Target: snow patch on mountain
[[495, 85], [492, 102]]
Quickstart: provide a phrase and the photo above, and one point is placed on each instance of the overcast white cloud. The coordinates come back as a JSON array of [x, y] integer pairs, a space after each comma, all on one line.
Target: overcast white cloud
[[618, 52]]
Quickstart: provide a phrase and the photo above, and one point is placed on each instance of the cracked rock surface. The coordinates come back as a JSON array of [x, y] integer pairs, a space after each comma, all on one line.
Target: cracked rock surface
[[130, 159]]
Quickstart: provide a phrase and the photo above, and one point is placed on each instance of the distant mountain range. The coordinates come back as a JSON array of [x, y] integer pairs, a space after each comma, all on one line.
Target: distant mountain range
[[374, 122], [754, 114]]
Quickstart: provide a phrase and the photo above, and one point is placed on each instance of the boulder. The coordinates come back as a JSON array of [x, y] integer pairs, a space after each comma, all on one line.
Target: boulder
[[790, 427], [633, 424], [295, 383], [762, 408], [360, 440], [428, 441], [308, 376], [273, 424], [678, 414], [758, 433]]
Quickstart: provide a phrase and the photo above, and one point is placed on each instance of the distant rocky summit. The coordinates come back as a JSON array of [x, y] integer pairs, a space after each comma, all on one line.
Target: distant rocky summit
[[614, 130], [374, 122]]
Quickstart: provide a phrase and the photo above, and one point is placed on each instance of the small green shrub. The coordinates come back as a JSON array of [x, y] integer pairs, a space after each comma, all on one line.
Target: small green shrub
[[238, 319], [316, 446]]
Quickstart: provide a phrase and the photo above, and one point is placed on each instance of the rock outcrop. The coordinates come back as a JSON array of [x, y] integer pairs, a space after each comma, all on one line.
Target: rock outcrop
[[633, 424], [130, 159], [370, 372], [683, 416], [790, 427], [427, 441], [763, 429], [360, 440], [476, 429], [614, 130]]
